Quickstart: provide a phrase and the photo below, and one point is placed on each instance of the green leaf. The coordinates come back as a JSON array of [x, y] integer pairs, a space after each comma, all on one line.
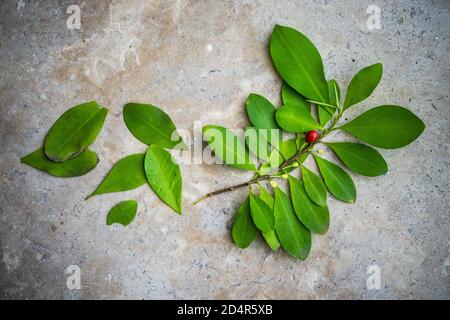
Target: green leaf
[[338, 182], [228, 147], [325, 113], [299, 63], [315, 188], [271, 236], [256, 140], [315, 218], [360, 158], [243, 230], [164, 176], [265, 196], [271, 239], [261, 112], [127, 174], [74, 167], [123, 213], [293, 235], [74, 131], [262, 214], [288, 149], [151, 125], [294, 119], [363, 84], [386, 127], [290, 96]]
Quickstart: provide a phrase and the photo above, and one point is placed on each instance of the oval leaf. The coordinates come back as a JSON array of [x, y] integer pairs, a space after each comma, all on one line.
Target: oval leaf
[[262, 214], [315, 218], [74, 131], [314, 186], [293, 235], [228, 147], [122, 213], [243, 230], [386, 127], [164, 176], [127, 174], [288, 149], [363, 84], [74, 167], [265, 196], [337, 180], [151, 125], [294, 119], [299, 63], [290, 96], [325, 113], [261, 112], [360, 158]]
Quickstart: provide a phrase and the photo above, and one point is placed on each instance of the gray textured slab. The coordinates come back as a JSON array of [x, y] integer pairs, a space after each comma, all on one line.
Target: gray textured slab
[[199, 60]]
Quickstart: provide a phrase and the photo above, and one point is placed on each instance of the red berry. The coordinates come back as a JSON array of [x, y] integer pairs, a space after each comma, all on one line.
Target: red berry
[[312, 136]]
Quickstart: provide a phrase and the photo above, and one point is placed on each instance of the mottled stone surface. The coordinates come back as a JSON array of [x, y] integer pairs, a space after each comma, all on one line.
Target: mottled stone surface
[[199, 60]]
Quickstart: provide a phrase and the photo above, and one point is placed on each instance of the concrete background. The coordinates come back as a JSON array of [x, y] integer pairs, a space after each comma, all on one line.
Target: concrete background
[[199, 60]]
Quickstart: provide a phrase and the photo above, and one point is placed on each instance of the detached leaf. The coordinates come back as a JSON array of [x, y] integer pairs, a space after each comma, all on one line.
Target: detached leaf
[[338, 182], [261, 112], [127, 174], [228, 147], [360, 158], [388, 127], [122, 213], [293, 236], [74, 167], [299, 63], [151, 125], [290, 96], [363, 84], [294, 119], [262, 214], [74, 131], [315, 188], [164, 176], [315, 218], [243, 230]]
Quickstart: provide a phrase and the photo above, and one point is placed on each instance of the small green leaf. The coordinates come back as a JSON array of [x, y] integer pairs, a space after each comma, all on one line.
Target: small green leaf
[[271, 236], [271, 239], [315, 188], [315, 218], [243, 230], [228, 147], [338, 182], [75, 167], [360, 158], [288, 149], [261, 112], [151, 125], [262, 214], [293, 235], [127, 174], [256, 140], [290, 96], [298, 62], [265, 196], [386, 127], [294, 119], [325, 113], [123, 213], [363, 84], [164, 176], [74, 131]]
